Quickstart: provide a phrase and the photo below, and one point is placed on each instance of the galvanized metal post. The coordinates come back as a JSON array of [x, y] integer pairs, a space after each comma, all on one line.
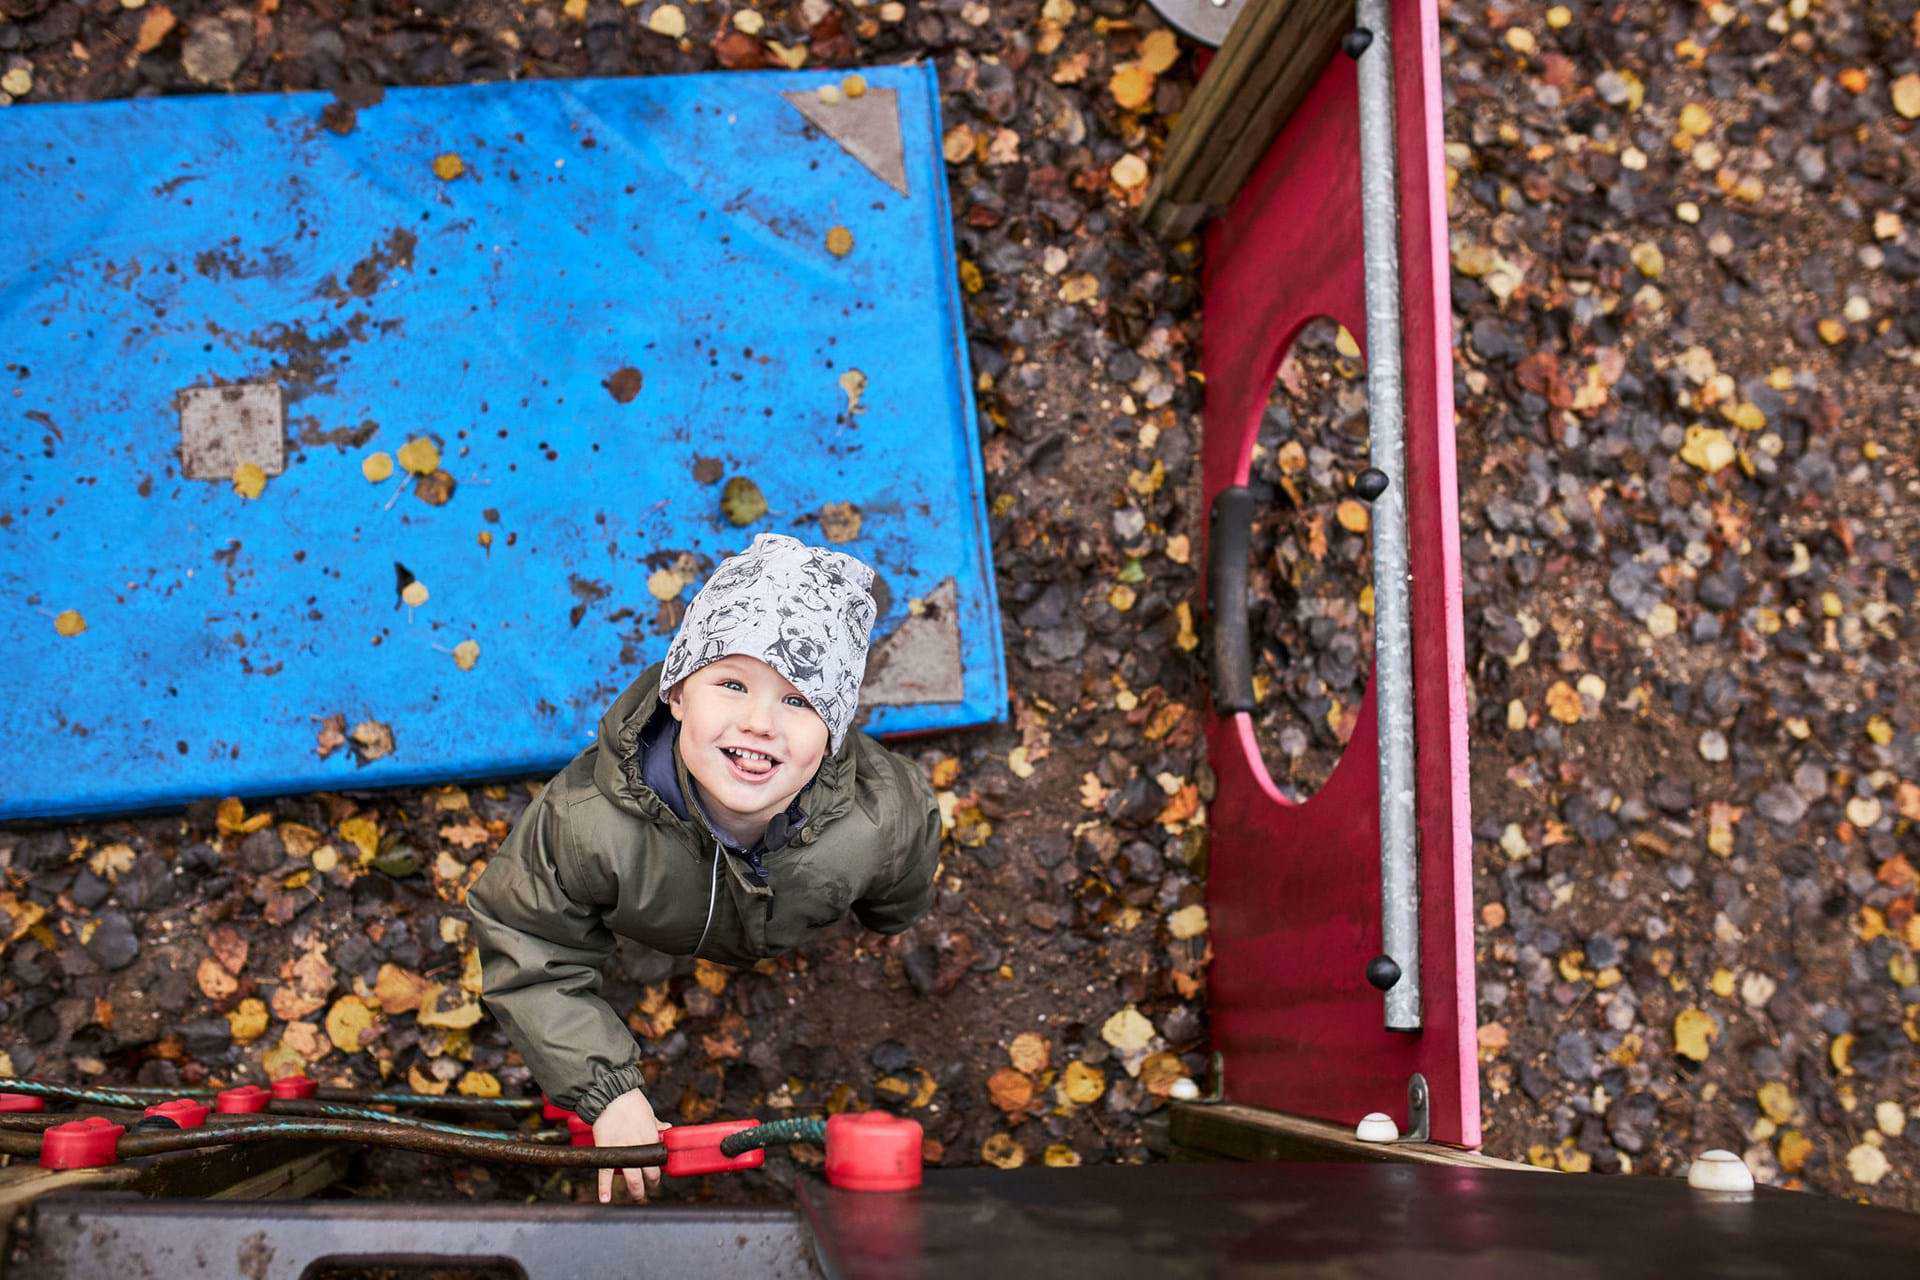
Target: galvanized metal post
[[1392, 597]]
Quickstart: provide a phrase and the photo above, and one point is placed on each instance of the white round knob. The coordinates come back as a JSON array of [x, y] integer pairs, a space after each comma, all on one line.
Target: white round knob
[[1183, 1090], [1376, 1126], [1719, 1171]]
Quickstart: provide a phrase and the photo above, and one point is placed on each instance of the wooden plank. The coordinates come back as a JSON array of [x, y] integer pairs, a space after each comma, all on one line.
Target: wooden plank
[[1253, 1133], [1269, 61], [1226, 169]]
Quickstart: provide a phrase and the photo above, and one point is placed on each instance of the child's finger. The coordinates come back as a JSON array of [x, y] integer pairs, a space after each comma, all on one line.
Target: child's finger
[[653, 1180], [636, 1186], [606, 1186]]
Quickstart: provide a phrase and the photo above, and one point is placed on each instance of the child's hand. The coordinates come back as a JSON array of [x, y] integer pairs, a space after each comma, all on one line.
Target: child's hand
[[628, 1121]]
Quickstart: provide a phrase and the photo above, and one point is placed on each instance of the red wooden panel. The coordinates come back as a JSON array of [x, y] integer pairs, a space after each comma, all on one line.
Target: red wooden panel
[[1294, 890]]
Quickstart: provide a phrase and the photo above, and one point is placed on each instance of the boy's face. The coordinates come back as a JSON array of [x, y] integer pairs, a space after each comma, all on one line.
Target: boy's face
[[749, 737]]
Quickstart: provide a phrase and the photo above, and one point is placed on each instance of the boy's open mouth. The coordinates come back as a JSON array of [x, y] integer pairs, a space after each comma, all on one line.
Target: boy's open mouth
[[749, 765]]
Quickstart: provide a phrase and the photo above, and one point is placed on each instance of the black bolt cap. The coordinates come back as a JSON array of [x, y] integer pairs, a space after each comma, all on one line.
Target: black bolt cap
[[1371, 483], [1355, 42], [1383, 972]]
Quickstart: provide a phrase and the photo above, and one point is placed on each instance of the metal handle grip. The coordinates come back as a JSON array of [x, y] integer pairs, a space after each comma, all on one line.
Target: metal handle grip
[[1230, 667]]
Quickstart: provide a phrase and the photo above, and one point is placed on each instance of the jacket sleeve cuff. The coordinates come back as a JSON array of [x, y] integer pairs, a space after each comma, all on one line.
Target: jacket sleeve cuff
[[607, 1086]]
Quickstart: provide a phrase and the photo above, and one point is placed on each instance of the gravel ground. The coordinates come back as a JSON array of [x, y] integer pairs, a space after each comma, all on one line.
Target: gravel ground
[[1685, 373]]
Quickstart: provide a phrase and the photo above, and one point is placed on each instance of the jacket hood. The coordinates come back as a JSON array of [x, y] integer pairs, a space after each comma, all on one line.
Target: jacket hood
[[617, 769]]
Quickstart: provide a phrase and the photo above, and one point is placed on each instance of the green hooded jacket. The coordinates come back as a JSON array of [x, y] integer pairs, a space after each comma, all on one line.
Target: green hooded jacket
[[601, 853]]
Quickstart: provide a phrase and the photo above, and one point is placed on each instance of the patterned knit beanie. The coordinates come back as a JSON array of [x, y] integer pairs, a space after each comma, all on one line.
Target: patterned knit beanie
[[804, 611]]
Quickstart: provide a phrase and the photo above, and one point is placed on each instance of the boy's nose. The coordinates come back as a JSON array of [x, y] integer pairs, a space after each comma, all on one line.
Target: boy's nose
[[758, 717]]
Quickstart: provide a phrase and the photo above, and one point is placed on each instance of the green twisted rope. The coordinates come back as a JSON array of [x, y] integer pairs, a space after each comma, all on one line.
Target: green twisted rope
[[774, 1132]]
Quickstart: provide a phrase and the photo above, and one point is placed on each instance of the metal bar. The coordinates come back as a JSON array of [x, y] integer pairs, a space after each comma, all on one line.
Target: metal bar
[[93, 1238], [1392, 594]]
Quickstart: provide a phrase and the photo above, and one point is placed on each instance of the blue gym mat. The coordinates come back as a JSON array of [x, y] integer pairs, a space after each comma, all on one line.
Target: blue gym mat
[[600, 300]]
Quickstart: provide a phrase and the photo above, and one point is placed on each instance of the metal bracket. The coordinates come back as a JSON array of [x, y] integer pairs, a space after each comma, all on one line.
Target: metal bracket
[[1217, 1081], [1418, 1110]]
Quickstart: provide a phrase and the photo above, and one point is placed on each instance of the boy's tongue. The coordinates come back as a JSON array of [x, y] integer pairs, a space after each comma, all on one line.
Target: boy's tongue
[[758, 766]]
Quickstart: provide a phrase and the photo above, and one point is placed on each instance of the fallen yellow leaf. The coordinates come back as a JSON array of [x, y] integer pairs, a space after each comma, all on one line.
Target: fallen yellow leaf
[[249, 481], [420, 455], [69, 623], [348, 1023], [447, 166], [1693, 1033], [1131, 85], [839, 241], [377, 466], [465, 654]]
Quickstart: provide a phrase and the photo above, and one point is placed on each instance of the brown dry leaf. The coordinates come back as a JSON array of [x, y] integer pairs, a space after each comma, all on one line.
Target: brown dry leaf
[[232, 820], [247, 1021], [332, 736], [307, 1040], [229, 947], [1563, 703], [1128, 1031], [1082, 1084], [154, 27], [725, 1043], [420, 1082], [1159, 50], [1131, 85], [1011, 1091], [23, 914], [300, 840], [371, 740], [1003, 1151], [711, 977], [1188, 922], [448, 1008], [214, 981], [109, 860], [1092, 794], [840, 521], [465, 654], [398, 990], [1182, 807], [1029, 1052], [472, 980], [467, 835], [1159, 1071], [283, 1060], [348, 1023]]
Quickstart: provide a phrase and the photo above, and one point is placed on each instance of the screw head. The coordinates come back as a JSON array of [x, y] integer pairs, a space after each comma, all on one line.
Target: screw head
[[1355, 42], [1371, 483], [1383, 971]]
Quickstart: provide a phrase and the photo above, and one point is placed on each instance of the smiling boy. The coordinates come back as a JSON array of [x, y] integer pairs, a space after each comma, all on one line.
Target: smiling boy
[[726, 811]]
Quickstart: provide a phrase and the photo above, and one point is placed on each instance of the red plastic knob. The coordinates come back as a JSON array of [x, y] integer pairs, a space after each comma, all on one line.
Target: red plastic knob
[[244, 1099], [185, 1112], [81, 1144], [294, 1087], [873, 1151], [10, 1102], [581, 1132]]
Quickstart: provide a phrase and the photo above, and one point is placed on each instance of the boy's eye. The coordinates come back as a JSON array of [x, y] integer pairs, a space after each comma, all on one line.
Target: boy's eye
[[795, 700], [732, 684]]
